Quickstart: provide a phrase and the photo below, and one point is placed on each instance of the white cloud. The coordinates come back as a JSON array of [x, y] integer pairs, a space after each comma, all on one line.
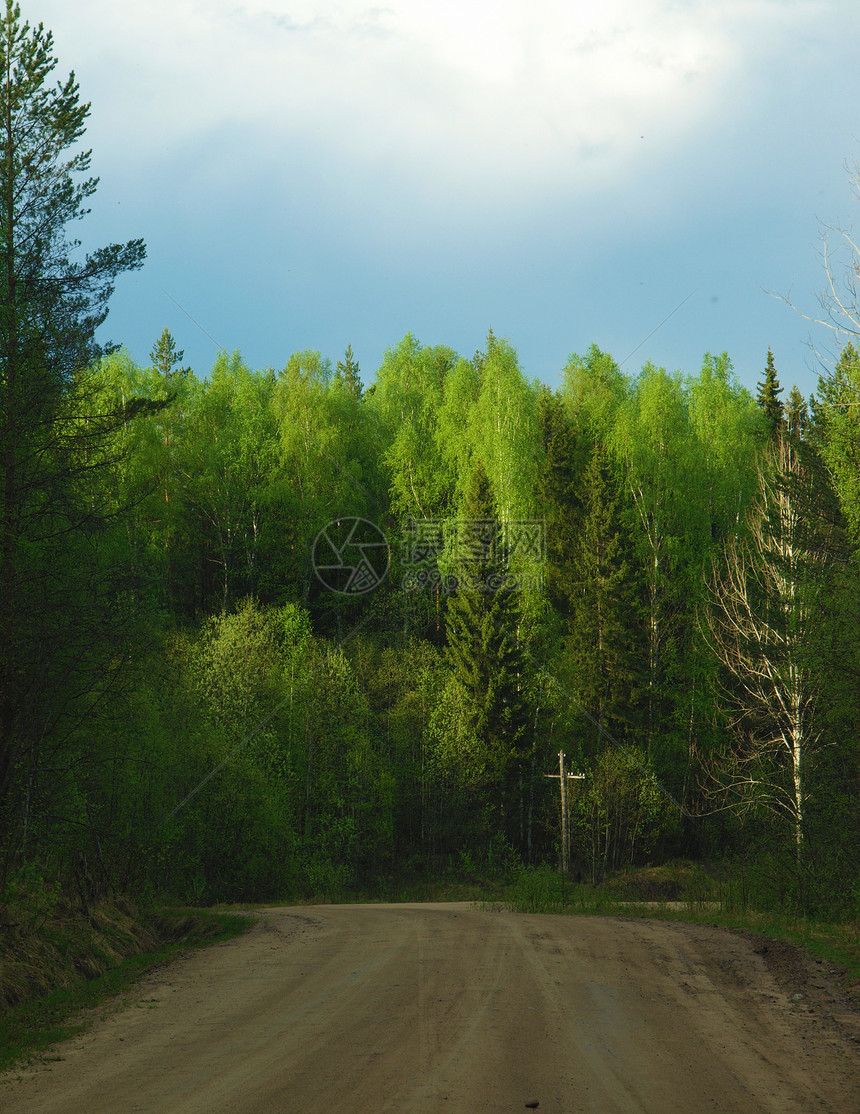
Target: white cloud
[[451, 97]]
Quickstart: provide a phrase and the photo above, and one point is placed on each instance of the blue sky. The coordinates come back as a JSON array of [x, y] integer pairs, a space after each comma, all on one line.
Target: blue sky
[[315, 173]]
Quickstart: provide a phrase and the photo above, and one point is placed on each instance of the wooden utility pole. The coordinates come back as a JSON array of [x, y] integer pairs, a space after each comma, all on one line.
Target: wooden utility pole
[[563, 777]]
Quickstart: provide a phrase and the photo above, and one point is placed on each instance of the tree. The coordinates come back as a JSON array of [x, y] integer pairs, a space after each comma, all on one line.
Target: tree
[[507, 432], [727, 424], [348, 373], [594, 388], [797, 412], [409, 395], [166, 358], [228, 457], [768, 398], [839, 302], [762, 623], [483, 650], [836, 431], [311, 482], [51, 306], [654, 437], [619, 813], [603, 632], [558, 496]]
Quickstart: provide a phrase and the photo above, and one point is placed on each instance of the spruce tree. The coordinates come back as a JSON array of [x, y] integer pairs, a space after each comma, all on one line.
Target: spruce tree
[[839, 391], [347, 373], [604, 608], [835, 432], [768, 398], [797, 413], [482, 647], [166, 358], [561, 465]]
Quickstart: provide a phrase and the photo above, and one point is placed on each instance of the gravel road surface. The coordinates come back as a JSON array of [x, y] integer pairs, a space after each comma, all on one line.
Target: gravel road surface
[[451, 1008]]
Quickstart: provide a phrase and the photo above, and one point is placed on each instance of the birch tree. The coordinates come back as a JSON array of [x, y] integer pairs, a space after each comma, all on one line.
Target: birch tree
[[409, 393], [663, 464], [760, 623]]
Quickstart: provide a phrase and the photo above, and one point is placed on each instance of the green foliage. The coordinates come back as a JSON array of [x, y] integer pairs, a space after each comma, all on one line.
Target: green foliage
[[654, 438], [620, 813], [84, 960], [257, 757], [411, 388], [727, 425], [604, 630], [54, 447], [836, 430], [481, 632], [186, 708], [562, 461], [766, 627], [768, 398], [348, 374], [593, 390], [797, 413], [228, 457], [506, 433]]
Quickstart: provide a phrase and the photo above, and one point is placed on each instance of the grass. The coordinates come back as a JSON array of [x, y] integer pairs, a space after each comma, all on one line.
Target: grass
[[58, 966], [684, 892], [437, 890], [88, 960]]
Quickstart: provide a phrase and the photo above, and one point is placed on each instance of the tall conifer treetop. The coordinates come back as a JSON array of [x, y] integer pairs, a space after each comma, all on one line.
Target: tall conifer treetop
[[481, 636], [348, 373], [797, 412], [768, 398]]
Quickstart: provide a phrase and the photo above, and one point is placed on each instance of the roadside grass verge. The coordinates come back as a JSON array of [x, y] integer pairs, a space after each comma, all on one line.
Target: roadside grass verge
[[54, 973], [433, 890], [684, 892]]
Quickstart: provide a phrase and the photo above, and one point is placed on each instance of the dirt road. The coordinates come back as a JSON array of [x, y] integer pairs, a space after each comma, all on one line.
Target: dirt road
[[449, 1008]]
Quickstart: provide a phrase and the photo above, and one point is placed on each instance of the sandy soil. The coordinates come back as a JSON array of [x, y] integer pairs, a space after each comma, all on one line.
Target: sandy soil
[[431, 1008]]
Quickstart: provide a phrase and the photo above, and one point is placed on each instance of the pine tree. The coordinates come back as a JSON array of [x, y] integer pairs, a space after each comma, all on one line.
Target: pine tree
[[768, 398], [51, 437]]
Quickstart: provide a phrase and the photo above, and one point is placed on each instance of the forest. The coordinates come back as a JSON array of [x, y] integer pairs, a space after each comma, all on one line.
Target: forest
[[271, 633]]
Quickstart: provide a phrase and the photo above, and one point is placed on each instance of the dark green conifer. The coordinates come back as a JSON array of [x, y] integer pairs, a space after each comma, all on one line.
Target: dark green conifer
[[348, 373], [838, 392], [768, 398], [481, 633], [603, 607], [797, 413], [561, 465]]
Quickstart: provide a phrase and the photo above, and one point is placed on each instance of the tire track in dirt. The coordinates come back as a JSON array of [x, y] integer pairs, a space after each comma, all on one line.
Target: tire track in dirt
[[429, 1008]]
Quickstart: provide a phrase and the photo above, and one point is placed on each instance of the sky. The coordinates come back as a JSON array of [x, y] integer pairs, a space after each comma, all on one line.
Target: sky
[[651, 176]]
